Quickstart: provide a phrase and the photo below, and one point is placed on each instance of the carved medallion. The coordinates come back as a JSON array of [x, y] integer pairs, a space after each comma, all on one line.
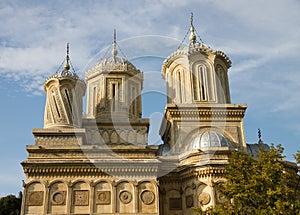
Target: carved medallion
[[103, 198], [35, 198], [204, 198], [147, 197], [125, 197], [81, 197], [58, 198], [189, 201]]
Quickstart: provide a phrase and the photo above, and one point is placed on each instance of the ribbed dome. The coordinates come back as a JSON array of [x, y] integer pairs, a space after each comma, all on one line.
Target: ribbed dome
[[63, 74], [209, 139]]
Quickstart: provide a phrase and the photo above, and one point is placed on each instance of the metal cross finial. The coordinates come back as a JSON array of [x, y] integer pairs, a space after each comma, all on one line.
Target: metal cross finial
[[67, 65], [115, 51], [259, 136]]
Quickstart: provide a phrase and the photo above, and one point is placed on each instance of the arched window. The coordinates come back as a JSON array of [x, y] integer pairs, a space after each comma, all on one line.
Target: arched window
[[179, 86], [200, 82]]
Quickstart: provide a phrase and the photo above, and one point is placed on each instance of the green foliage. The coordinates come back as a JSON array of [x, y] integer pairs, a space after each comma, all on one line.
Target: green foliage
[[259, 186], [10, 205]]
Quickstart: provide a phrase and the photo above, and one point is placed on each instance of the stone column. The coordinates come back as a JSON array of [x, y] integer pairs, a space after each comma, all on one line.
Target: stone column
[[69, 197], [114, 197], [92, 194], [46, 197], [136, 197], [24, 198]]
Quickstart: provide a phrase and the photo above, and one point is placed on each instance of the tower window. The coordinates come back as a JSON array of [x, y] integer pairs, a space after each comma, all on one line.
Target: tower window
[[203, 90], [94, 99], [114, 96]]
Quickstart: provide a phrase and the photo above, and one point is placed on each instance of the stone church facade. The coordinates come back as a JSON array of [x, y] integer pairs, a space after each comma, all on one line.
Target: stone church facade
[[101, 163]]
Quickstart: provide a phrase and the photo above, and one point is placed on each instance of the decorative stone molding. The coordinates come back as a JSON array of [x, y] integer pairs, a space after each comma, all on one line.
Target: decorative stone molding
[[80, 197], [103, 198], [147, 197], [35, 198], [58, 198], [204, 198], [125, 197]]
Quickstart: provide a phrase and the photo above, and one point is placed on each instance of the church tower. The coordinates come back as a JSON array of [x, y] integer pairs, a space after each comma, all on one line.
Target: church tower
[[199, 99], [200, 127], [64, 91]]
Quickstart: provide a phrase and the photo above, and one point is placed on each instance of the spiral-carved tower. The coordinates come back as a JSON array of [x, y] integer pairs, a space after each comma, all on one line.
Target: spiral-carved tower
[[64, 91]]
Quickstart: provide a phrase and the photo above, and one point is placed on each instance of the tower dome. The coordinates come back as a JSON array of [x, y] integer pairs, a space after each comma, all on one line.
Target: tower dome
[[114, 88], [196, 73], [64, 91]]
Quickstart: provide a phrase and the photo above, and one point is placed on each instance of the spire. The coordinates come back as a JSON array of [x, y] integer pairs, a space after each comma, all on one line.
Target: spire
[[192, 31], [115, 51], [67, 65]]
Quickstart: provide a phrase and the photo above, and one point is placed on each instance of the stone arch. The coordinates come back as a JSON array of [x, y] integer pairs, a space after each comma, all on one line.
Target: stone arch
[[103, 197], [148, 197], [125, 196], [58, 197], [105, 136], [114, 137], [173, 201], [205, 196], [80, 196], [35, 197], [131, 137]]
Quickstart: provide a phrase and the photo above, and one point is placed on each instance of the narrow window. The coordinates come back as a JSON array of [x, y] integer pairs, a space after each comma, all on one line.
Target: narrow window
[[94, 100], [55, 103], [68, 99], [114, 96], [179, 87], [133, 100]]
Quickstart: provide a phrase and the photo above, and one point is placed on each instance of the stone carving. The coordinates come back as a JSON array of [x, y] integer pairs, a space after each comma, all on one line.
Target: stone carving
[[59, 198], [147, 197], [204, 198], [81, 197], [103, 197], [125, 197], [175, 204], [35, 198], [189, 201]]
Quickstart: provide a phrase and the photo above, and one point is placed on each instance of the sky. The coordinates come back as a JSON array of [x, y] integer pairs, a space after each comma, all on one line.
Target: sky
[[261, 37]]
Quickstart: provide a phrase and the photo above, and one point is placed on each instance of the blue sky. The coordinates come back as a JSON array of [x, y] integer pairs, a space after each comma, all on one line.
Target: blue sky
[[261, 37]]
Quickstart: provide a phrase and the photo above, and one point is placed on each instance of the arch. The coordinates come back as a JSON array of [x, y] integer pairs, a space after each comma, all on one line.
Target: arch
[[203, 81], [114, 137]]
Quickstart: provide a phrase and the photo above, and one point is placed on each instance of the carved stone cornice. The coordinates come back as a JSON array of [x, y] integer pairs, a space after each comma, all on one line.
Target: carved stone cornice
[[194, 112]]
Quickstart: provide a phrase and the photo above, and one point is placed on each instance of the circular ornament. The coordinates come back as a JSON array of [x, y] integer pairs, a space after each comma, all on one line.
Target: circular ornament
[[204, 198], [189, 201], [147, 197], [125, 197], [58, 198]]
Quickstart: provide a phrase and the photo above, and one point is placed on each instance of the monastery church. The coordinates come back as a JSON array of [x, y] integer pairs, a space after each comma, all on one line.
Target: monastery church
[[100, 162]]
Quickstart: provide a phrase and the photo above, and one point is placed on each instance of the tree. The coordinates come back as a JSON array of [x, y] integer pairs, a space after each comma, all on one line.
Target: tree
[[10, 205], [265, 185]]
